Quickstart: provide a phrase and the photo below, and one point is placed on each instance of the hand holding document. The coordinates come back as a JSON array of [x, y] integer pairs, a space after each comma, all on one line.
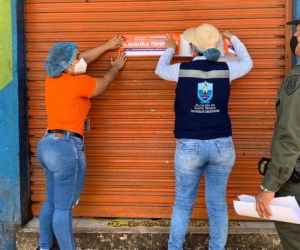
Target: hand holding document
[[283, 208]]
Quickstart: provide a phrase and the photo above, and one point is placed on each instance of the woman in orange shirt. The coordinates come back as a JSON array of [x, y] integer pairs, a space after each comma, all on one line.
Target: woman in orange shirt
[[61, 152]]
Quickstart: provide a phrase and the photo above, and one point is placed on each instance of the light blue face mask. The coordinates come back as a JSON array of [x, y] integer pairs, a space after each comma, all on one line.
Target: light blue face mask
[[211, 54]]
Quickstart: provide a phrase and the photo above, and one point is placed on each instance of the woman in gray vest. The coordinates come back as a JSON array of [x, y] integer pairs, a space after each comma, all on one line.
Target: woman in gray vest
[[202, 128]]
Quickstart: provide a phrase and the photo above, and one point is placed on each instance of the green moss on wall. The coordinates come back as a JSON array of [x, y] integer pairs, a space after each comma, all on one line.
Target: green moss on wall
[[5, 43]]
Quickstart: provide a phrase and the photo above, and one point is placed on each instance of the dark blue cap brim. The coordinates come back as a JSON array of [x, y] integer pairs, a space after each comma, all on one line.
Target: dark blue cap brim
[[295, 22]]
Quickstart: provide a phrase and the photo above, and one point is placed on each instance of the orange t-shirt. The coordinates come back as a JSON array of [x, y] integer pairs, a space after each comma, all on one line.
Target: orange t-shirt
[[68, 101]]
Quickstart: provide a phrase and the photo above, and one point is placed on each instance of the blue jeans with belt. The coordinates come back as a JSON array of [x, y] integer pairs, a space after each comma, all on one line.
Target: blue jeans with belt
[[64, 162], [193, 158]]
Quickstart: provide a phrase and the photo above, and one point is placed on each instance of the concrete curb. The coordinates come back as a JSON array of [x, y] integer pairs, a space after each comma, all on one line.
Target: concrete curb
[[94, 234]]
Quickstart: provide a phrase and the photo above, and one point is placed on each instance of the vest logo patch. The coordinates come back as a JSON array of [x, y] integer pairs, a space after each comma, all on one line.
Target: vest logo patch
[[205, 92], [292, 84]]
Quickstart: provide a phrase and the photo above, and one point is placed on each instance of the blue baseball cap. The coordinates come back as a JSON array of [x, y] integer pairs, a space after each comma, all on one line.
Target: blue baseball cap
[[295, 22]]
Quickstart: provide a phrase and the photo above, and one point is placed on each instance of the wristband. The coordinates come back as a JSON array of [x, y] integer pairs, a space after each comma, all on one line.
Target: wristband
[[265, 190]]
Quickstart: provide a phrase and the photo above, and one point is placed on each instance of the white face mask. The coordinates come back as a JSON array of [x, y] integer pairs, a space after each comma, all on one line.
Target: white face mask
[[80, 67]]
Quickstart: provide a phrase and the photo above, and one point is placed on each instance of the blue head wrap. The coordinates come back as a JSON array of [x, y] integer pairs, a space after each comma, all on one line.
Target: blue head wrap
[[211, 54], [60, 58]]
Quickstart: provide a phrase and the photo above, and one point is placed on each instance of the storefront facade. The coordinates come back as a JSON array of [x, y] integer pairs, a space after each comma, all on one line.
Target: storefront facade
[[130, 144]]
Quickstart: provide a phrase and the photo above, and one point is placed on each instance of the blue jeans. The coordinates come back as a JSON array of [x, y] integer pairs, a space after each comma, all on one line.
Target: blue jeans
[[64, 163], [193, 158]]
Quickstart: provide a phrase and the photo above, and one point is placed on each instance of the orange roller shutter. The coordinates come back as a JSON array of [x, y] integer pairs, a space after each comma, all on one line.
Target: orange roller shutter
[[130, 146]]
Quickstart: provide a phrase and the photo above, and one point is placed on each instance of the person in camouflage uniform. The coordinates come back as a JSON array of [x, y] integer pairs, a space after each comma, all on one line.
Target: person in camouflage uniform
[[285, 150]]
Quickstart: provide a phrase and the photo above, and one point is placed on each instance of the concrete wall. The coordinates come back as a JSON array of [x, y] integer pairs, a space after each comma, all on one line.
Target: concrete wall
[[13, 146]]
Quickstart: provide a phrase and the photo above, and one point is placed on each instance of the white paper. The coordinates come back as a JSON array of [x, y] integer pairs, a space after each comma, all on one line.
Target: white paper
[[283, 208]]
